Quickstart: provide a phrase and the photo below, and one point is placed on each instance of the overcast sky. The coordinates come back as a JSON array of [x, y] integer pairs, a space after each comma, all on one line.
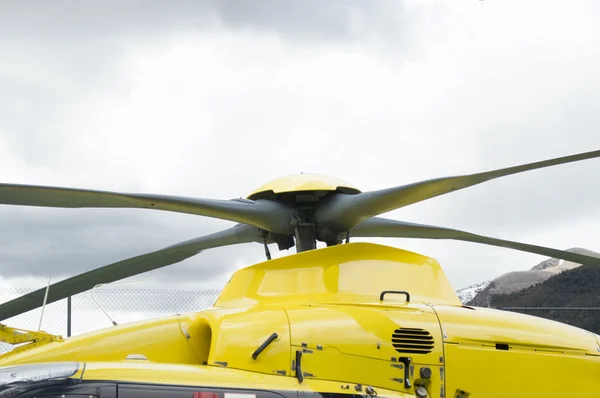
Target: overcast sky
[[213, 100]]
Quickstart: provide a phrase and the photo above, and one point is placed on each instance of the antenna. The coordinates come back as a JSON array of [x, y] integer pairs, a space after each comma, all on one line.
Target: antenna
[[112, 283], [44, 304]]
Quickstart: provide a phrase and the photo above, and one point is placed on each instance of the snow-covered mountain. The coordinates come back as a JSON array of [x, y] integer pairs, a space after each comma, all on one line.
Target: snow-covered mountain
[[467, 294], [511, 282]]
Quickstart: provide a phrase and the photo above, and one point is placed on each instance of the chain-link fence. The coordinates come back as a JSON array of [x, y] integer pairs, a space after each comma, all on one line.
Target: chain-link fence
[[97, 309]]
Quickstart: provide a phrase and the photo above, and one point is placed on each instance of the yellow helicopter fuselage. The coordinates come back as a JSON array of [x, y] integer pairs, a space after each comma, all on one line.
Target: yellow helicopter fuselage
[[339, 320]]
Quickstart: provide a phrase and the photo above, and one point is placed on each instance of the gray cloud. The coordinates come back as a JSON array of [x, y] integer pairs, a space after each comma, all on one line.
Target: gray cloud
[[296, 20], [65, 242]]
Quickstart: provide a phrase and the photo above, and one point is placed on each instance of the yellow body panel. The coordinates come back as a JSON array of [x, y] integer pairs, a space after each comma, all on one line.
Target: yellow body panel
[[149, 337], [350, 273], [485, 326], [304, 182], [361, 332], [246, 330], [325, 306], [487, 372], [26, 339], [496, 353], [341, 342]]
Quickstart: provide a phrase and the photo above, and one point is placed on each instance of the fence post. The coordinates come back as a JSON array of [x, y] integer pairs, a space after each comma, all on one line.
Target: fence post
[[69, 316]]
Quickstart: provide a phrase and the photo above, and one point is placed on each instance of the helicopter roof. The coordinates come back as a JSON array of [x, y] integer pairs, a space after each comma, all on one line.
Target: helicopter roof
[[303, 182], [353, 272]]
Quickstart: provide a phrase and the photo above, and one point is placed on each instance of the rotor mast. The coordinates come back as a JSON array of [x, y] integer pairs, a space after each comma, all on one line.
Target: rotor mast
[[305, 230]]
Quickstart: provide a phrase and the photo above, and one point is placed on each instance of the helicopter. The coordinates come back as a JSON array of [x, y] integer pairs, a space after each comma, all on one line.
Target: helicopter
[[352, 319]]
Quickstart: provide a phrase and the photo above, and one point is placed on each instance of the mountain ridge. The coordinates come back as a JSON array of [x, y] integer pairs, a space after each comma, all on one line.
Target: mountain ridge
[[558, 290], [570, 297], [480, 294]]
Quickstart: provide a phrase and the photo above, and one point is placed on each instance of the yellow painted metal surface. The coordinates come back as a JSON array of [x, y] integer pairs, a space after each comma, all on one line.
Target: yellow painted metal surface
[[488, 327], [304, 182], [496, 353], [487, 372], [25, 339], [355, 345], [326, 305], [161, 340], [246, 330], [353, 272]]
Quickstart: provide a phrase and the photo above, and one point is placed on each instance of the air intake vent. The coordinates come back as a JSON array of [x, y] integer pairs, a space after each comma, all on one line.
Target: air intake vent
[[412, 341]]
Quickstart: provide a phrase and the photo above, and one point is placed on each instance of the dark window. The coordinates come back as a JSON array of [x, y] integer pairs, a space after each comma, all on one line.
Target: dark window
[[164, 391], [61, 389]]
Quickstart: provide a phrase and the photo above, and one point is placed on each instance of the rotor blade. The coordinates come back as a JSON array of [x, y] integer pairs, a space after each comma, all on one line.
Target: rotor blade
[[386, 228], [238, 234], [268, 215], [342, 212]]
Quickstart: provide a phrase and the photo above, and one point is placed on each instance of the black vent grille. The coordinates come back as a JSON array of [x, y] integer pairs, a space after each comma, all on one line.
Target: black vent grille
[[412, 341]]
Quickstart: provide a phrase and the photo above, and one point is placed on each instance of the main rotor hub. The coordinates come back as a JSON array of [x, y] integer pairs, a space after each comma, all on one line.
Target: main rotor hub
[[298, 183], [302, 192]]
